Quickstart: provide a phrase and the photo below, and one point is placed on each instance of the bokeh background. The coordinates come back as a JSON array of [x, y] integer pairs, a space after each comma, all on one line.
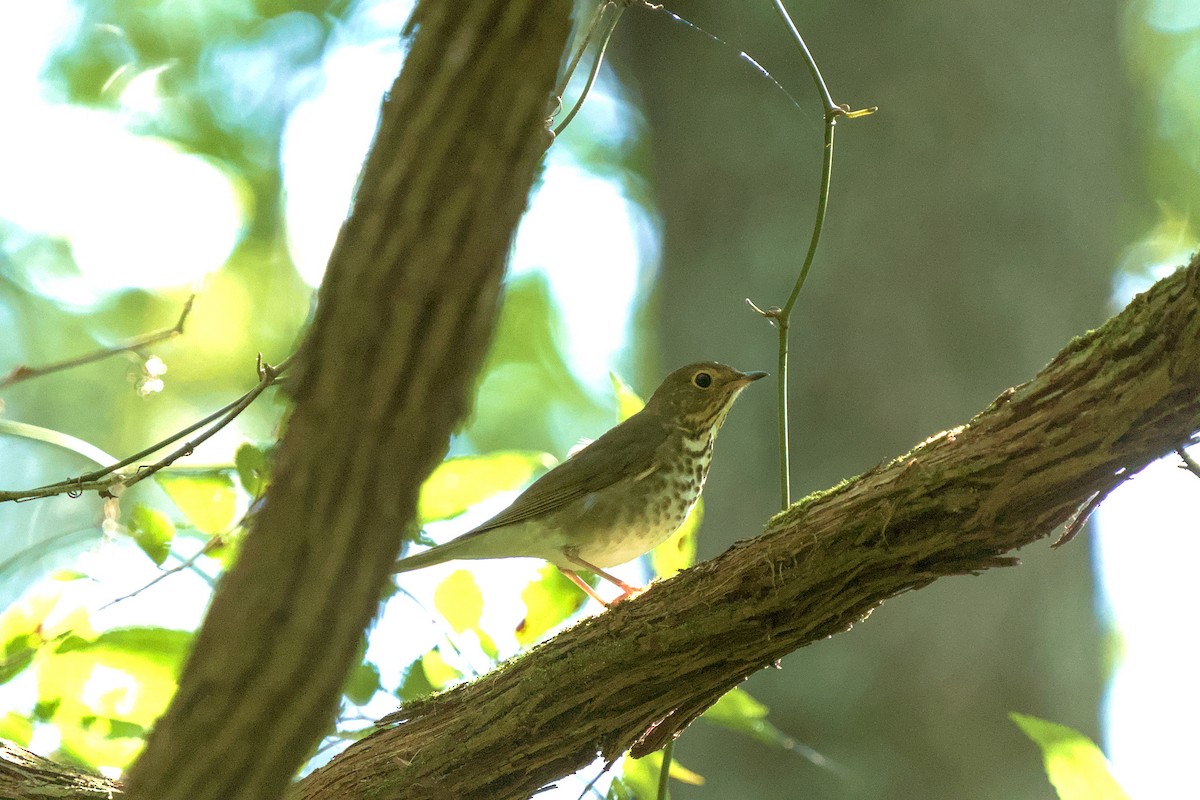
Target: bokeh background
[[1029, 168]]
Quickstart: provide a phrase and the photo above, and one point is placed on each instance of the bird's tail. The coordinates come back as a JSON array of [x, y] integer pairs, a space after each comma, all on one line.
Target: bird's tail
[[435, 555]]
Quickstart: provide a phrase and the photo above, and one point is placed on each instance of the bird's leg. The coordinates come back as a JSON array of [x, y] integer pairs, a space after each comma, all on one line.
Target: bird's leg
[[588, 590], [627, 591]]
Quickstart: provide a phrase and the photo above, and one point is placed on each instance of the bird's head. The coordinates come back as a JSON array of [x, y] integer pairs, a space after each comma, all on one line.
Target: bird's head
[[697, 397]]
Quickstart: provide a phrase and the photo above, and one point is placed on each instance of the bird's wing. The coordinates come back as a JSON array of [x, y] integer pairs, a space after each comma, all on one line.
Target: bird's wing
[[630, 449]]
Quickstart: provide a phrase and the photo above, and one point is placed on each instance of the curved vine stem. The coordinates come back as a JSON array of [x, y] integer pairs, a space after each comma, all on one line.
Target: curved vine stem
[[779, 317]]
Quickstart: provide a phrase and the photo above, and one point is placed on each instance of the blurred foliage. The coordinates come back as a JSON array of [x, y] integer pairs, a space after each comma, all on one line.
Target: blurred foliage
[[1075, 765], [206, 91], [459, 483]]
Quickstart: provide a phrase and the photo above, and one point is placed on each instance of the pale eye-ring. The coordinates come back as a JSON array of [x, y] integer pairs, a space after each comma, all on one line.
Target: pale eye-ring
[[702, 379]]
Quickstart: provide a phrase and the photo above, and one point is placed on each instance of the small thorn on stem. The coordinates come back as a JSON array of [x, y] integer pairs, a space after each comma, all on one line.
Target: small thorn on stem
[[773, 314]]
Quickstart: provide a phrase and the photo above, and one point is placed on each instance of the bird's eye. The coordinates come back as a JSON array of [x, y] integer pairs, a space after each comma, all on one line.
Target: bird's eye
[[703, 380]]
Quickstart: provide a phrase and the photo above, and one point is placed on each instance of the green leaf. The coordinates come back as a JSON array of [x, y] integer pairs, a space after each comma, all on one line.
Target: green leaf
[[153, 532], [549, 601], [18, 655], [617, 790], [487, 644], [640, 775], [99, 691], [415, 683], [23, 628], [437, 671], [628, 401], [459, 600], [679, 552], [738, 711], [253, 466], [362, 684], [16, 728], [1075, 765], [207, 500], [459, 483]]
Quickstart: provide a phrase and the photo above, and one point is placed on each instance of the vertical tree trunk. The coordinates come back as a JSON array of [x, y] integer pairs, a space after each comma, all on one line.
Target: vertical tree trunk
[[406, 312]]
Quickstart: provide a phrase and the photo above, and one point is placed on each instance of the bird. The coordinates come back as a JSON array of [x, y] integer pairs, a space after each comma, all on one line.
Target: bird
[[618, 497]]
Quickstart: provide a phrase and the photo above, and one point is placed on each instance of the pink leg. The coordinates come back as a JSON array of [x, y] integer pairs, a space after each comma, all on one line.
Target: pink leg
[[582, 584], [627, 591]]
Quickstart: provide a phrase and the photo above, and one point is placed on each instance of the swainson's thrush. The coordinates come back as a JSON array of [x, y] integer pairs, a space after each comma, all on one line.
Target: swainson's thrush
[[621, 495]]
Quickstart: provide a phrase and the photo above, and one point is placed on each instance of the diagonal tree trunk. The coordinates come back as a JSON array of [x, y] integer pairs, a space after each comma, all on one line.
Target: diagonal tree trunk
[[1110, 403], [406, 311]]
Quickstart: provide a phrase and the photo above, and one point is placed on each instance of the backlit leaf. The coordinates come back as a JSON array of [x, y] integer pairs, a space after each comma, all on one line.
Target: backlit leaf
[[207, 500], [459, 483], [1075, 765], [738, 711], [102, 694], [16, 728], [549, 601], [153, 532], [641, 775], [415, 683], [253, 468], [628, 401], [679, 552], [459, 600], [438, 673]]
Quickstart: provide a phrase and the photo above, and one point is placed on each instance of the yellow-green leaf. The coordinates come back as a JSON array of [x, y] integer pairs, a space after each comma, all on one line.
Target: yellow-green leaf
[[105, 693], [459, 600], [362, 683], [549, 601], [438, 673], [738, 711], [16, 728], [23, 627], [1075, 765], [628, 401], [153, 532], [459, 483], [641, 774], [207, 500], [415, 683], [679, 552], [253, 468]]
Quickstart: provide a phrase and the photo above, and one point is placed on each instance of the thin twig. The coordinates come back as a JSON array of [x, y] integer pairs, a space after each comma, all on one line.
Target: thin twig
[[23, 373], [266, 377], [779, 317], [601, 7], [103, 480], [188, 563], [609, 27], [1189, 463]]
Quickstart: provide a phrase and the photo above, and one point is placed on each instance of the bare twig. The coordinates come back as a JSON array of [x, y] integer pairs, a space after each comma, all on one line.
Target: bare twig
[[105, 481], [186, 564], [779, 317], [23, 373], [606, 28]]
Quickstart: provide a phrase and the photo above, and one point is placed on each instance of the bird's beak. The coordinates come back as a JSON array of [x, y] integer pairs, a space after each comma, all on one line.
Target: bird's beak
[[748, 377]]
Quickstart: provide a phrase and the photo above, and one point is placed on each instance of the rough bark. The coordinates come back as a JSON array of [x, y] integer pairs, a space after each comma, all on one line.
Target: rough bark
[[26, 776], [1111, 402], [406, 311]]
